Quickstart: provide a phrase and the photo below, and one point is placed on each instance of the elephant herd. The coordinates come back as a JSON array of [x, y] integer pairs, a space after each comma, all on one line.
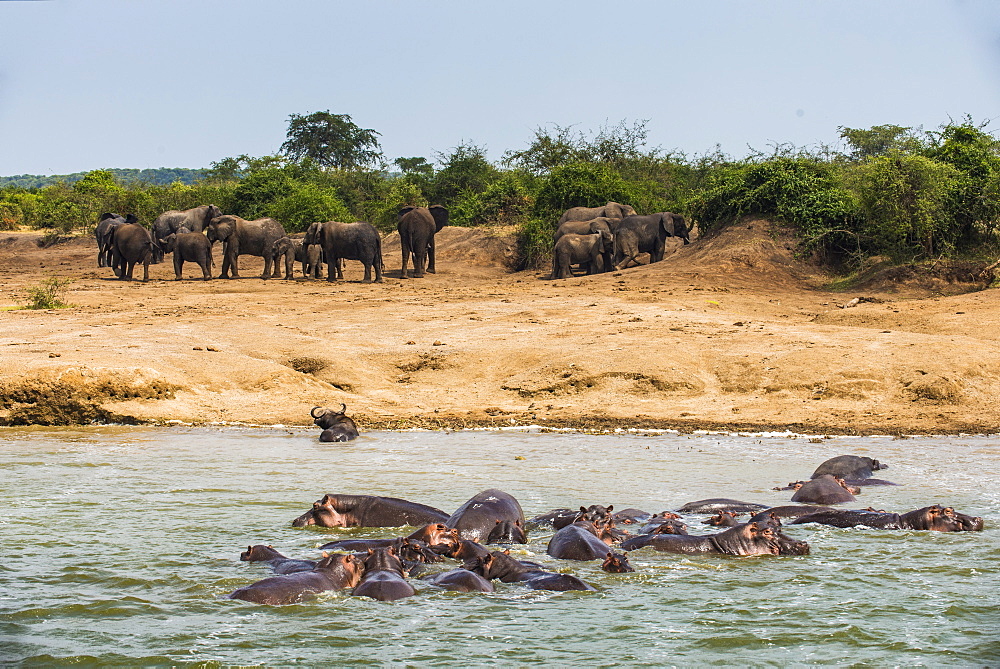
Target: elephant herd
[[599, 239], [190, 235], [383, 568]]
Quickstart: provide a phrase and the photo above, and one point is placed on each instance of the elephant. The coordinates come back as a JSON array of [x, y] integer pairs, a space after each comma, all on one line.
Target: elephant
[[588, 251], [312, 261], [103, 232], [333, 572], [192, 247], [289, 249], [241, 237], [610, 210], [350, 241], [336, 425], [195, 220], [597, 225], [647, 234], [417, 227], [130, 244]]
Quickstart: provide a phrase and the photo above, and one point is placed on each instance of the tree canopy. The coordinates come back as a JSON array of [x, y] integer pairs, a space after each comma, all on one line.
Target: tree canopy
[[331, 140]]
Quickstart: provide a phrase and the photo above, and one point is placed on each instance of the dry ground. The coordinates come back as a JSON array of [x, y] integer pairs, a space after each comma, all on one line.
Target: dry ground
[[730, 332]]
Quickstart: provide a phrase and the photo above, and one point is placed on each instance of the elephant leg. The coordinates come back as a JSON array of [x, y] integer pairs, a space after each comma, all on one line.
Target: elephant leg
[[145, 267], [178, 264], [206, 271], [368, 272], [377, 264], [430, 257], [405, 245], [419, 260], [332, 269]]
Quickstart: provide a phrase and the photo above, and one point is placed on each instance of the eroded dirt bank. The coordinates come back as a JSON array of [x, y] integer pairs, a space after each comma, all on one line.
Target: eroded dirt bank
[[730, 332]]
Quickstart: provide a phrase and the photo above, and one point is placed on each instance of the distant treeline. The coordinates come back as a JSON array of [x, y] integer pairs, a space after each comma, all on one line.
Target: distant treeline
[[895, 191], [160, 176]]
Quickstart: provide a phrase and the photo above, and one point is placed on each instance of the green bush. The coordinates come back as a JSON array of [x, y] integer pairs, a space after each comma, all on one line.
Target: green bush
[[48, 294], [306, 204], [580, 185]]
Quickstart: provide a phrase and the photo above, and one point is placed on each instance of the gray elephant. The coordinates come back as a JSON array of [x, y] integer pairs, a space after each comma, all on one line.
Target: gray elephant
[[417, 227], [104, 231], [130, 244], [312, 261], [241, 237], [597, 225], [647, 234], [350, 241], [289, 249], [610, 210], [312, 239], [195, 220], [189, 247], [584, 250]]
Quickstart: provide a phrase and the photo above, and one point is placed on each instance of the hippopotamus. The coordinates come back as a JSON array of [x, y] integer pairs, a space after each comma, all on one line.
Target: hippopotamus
[[723, 519], [823, 489], [279, 563], [849, 467], [594, 512], [432, 534], [502, 566], [368, 511], [467, 550], [460, 580], [744, 539], [717, 504], [578, 541], [333, 572], [935, 518], [507, 532], [383, 578], [630, 516], [616, 563], [664, 523], [336, 425], [478, 517], [789, 511]]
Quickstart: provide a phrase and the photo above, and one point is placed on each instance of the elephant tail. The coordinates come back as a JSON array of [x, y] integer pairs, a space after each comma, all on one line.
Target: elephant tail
[[378, 253]]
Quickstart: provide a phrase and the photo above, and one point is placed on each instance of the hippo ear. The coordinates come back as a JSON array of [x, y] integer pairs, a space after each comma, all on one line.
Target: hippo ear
[[370, 551], [249, 548], [609, 555], [583, 509], [270, 546], [392, 550], [498, 521], [611, 507], [506, 551], [325, 554]]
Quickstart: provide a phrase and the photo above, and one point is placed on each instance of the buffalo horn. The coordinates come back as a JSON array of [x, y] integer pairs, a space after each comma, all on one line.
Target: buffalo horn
[[313, 412]]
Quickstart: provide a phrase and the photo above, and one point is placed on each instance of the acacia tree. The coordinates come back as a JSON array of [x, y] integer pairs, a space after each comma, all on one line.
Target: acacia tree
[[331, 140]]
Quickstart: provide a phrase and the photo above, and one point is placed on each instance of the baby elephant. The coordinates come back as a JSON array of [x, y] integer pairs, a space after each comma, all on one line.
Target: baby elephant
[[289, 249], [191, 247], [588, 251], [336, 426]]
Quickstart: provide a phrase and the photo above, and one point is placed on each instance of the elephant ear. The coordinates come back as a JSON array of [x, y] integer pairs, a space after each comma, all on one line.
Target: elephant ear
[[440, 215], [404, 211], [130, 218]]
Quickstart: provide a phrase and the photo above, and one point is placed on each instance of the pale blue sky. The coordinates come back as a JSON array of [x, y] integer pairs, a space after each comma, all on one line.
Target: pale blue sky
[[86, 84]]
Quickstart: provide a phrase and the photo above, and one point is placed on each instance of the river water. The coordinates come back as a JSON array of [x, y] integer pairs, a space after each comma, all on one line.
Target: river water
[[117, 546]]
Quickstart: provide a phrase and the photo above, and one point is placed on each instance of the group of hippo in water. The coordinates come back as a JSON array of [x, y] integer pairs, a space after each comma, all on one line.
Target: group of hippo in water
[[380, 568]]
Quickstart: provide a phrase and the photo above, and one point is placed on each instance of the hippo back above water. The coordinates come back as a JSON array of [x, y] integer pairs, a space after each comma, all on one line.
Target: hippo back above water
[[336, 510], [480, 516], [849, 467]]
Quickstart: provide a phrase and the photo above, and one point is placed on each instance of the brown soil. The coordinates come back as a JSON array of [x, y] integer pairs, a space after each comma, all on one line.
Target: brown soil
[[730, 332]]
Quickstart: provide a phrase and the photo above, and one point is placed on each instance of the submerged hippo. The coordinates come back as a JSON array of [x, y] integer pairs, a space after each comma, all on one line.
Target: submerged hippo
[[477, 519], [849, 467], [460, 580], [279, 563], [744, 539], [717, 504], [934, 518], [824, 489], [368, 511], [502, 566], [333, 572], [579, 541], [384, 577], [616, 563], [432, 534]]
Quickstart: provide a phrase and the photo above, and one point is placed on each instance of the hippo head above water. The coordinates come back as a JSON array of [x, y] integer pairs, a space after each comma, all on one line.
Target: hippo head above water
[[617, 563]]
